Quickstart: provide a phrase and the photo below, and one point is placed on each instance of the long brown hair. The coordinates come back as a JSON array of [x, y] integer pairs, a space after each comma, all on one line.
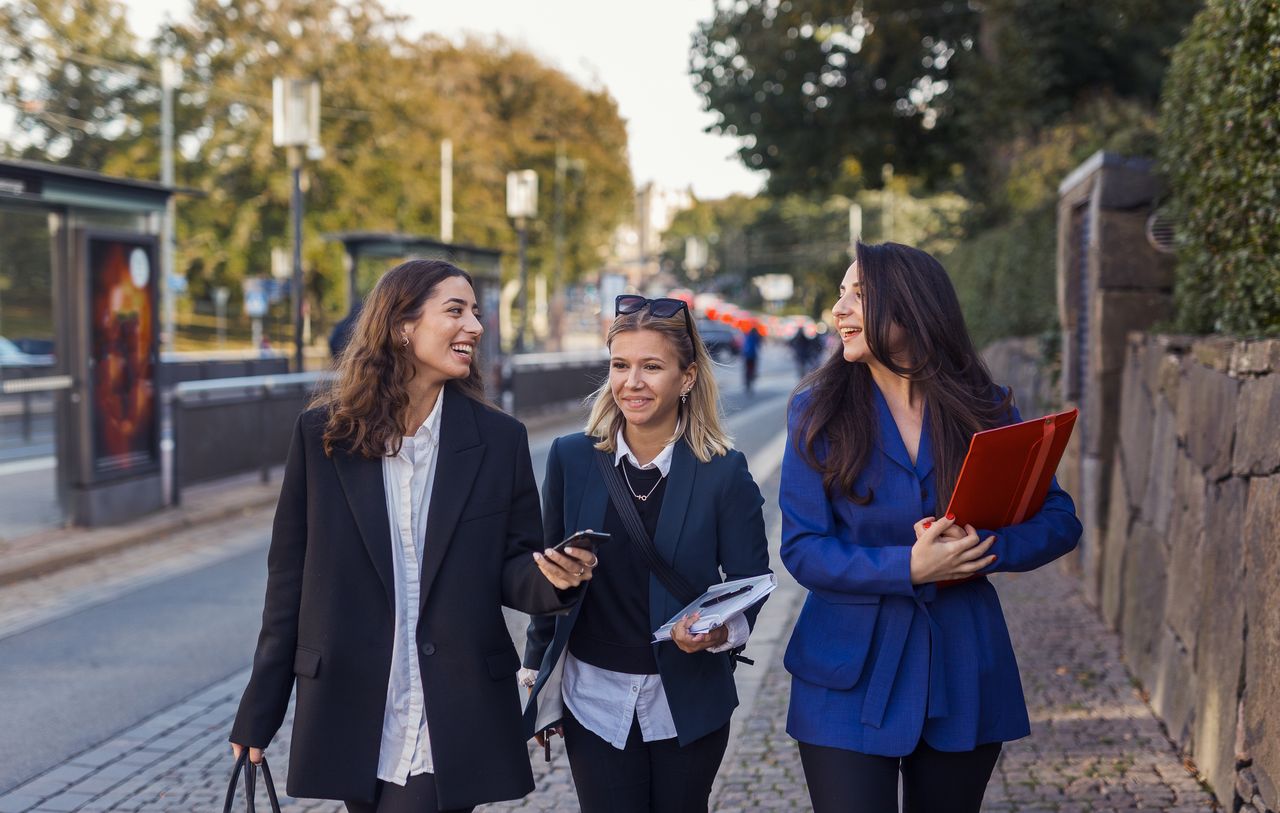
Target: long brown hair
[[699, 420], [367, 402], [907, 287]]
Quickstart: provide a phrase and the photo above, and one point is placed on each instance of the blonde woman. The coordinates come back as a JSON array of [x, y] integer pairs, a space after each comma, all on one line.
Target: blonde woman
[[645, 725]]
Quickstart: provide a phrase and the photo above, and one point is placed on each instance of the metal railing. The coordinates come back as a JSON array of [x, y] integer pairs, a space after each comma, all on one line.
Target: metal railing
[[235, 425]]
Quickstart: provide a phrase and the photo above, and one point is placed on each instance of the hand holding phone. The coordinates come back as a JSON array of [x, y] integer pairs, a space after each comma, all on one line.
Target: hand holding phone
[[586, 540]]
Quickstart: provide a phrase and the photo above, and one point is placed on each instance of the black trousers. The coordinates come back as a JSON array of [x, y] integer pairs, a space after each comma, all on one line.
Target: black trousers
[[644, 777], [933, 781], [417, 796]]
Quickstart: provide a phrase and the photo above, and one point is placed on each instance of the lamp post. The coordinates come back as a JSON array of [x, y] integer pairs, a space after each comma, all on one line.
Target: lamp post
[[295, 125], [522, 204]]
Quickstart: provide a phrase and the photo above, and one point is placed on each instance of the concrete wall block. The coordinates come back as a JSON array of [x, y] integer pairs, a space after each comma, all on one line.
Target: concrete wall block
[[1262, 648], [1136, 416], [1157, 501], [1214, 352], [1173, 693], [1128, 260], [1112, 554], [1256, 357], [1142, 624], [1219, 652], [1186, 560], [1257, 444], [1207, 417], [1114, 314]]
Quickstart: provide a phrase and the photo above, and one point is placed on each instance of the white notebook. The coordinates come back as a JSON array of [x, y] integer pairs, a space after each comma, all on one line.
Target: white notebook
[[721, 603]]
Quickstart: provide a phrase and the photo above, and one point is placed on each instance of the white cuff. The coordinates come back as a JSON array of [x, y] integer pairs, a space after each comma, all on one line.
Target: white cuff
[[739, 632]]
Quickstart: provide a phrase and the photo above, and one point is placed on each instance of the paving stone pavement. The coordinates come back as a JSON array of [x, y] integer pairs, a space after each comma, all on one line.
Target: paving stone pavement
[[1095, 745]]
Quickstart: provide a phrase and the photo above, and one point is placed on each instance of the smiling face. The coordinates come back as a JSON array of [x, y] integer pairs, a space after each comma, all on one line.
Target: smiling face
[[444, 337], [848, 312], [646, 379]]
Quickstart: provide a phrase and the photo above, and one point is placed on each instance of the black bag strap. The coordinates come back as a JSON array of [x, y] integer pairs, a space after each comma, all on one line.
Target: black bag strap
[[250, 783], [676, 584]]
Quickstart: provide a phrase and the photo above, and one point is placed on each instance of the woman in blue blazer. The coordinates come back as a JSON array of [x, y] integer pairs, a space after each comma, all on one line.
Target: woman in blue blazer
[[645, 725], [892, 670]]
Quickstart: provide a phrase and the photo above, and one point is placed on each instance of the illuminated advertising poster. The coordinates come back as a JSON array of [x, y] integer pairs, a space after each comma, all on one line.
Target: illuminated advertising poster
[[122, 353]]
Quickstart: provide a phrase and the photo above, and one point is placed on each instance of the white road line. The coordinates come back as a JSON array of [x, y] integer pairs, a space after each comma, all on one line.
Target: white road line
[[27, 466]]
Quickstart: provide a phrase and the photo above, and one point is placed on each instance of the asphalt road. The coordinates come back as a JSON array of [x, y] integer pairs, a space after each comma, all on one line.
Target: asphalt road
[[80, 679]]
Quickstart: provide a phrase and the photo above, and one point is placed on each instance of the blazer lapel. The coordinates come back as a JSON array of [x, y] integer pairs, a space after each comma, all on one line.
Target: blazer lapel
[[924, 455], [361, 479], [594, 502], [675, 502], [890, 441], [457, 464]]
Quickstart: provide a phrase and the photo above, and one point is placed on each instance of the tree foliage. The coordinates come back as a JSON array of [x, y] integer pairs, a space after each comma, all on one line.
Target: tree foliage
[[388, 103], [1220, 149], [823, 94]]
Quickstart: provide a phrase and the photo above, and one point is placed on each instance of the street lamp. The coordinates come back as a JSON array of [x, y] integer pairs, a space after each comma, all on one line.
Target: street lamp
[[295, 125], [522, 204]]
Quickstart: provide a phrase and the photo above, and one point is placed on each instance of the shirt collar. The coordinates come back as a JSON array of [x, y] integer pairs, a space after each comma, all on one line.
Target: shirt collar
[[662, 462]]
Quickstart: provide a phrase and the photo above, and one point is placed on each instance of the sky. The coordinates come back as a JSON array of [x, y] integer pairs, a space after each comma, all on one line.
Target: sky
[[638, 51]]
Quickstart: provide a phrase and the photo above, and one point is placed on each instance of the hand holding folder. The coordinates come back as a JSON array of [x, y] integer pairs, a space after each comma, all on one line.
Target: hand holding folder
[[720, 603], [1007, 472]]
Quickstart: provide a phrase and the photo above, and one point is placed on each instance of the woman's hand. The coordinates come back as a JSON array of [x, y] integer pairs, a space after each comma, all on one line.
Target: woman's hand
[[696, 642], [255, 754], [942, 552], [541, 736], [566, 570]]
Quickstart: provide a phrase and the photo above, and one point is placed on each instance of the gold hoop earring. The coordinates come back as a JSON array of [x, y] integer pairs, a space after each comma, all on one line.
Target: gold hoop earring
[[404, 339]]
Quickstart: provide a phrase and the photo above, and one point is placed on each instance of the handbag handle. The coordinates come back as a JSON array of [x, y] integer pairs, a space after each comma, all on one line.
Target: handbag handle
[[250, 782]]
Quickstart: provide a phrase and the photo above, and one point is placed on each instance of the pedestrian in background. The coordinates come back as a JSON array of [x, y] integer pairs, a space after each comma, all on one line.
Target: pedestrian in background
[[407, 518], [750, 356], [646, 725], [893, 671]]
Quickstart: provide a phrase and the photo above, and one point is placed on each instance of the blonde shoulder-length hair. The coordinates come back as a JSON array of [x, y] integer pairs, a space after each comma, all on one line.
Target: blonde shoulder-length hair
[[699, 419]]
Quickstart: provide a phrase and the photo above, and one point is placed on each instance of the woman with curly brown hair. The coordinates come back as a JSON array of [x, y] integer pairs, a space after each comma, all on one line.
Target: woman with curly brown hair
[[407, 518]]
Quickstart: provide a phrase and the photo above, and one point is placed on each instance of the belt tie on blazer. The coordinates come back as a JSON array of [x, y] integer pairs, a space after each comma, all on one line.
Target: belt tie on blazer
[[898, 624]]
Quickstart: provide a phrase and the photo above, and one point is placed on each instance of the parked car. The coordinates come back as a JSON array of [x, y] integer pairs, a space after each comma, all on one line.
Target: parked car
[[12, 356], [723, 342]]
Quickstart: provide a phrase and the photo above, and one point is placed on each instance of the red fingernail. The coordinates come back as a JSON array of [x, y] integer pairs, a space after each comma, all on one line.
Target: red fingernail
[[951, 517], [927, 524]]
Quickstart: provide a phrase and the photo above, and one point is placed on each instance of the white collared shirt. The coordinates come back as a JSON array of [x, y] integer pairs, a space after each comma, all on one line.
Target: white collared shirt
[[408, 478], [605, 701]]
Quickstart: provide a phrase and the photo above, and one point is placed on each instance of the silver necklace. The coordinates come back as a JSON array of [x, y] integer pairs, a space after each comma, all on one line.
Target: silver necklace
[[640, 497]]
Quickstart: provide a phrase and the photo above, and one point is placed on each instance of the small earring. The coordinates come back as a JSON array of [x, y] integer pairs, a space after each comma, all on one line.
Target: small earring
[[684, 398], [404, 339]]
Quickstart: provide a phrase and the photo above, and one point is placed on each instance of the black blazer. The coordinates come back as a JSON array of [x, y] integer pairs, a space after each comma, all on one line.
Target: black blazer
[[329, 612], [711, 522]]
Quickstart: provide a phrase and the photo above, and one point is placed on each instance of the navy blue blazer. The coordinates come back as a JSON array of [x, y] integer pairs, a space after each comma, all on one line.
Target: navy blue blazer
[[877, 663], [711, 520]]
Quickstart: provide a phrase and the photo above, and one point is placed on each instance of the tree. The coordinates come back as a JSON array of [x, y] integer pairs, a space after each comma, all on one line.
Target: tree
[[62, 74], [824, 95]]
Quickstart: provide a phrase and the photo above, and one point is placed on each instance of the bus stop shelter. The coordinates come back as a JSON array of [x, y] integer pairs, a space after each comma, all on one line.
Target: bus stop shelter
[[80, 270], [368, 254]]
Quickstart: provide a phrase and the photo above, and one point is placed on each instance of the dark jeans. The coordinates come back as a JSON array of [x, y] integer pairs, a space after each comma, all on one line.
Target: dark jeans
[[933, 781], [644, 777], [417, 796]]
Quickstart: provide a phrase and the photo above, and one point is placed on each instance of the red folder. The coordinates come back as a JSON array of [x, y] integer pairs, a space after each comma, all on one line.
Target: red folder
[[1007, 471]]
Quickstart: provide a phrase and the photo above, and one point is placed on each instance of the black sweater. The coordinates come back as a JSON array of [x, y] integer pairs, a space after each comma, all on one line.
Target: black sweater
[[612, 631]]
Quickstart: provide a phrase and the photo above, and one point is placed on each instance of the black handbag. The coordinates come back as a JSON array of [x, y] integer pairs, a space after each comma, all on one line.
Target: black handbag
[[675, 584], [250, 782]]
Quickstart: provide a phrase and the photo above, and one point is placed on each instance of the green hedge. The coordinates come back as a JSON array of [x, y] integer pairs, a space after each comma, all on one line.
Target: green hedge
[[1220, 150], [1004, 277]]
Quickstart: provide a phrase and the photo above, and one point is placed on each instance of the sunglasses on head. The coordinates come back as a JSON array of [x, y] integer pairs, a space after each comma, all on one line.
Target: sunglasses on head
[[662, 307]]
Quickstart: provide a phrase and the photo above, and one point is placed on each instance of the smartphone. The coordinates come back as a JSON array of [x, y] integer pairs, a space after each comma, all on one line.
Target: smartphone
[[583, 540]]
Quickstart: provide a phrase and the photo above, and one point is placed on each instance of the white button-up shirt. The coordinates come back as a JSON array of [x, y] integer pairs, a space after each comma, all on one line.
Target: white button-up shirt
[[408, 478], [604, 701]]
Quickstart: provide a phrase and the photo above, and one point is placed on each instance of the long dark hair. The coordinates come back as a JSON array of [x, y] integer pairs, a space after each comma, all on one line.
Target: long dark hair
[[906, 287], [367, 402]]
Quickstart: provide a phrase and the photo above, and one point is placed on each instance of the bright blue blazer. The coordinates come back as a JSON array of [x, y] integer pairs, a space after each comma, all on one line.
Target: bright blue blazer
[[879, 664], [711, 522]]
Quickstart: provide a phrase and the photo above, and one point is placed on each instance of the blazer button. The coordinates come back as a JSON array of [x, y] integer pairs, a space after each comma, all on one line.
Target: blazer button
[[428, 649]]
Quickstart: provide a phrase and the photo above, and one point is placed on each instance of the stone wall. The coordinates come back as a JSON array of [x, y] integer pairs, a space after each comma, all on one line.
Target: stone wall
[[1029, 366], [1189, 562]]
